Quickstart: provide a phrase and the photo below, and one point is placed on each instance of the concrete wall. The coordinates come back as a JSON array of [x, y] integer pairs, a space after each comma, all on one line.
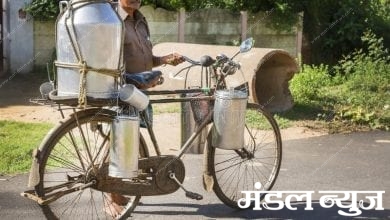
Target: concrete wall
[[163, 24], [19, 39], [212, 26], [44, 41], [209, 26], [219, 27]]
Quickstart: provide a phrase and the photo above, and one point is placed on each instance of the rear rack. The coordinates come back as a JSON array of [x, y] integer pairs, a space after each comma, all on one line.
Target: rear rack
[[72, 101]]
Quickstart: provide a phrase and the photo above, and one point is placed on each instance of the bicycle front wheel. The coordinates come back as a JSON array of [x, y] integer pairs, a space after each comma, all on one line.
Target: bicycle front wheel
[[258, 160], [72, 156]]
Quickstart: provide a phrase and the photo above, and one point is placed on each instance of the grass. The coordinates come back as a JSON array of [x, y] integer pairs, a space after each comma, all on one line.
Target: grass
[[258, 121], [166, 108], [18, 139]]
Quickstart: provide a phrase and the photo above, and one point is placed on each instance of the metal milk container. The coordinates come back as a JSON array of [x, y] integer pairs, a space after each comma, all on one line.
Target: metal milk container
[[124, 149], [89, 36], [229, 119]]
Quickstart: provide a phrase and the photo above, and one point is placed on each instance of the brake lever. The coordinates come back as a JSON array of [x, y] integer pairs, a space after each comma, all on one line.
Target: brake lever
[[222, 58]]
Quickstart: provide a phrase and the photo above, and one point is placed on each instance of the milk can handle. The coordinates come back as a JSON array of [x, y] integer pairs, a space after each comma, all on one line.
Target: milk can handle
[[63, 4]]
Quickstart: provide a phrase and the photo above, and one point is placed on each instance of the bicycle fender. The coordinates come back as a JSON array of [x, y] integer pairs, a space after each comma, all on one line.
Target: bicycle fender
[[33, 178]]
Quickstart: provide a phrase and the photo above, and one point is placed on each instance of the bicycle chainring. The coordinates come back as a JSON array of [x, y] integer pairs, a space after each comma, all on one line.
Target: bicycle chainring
[[169, 165]]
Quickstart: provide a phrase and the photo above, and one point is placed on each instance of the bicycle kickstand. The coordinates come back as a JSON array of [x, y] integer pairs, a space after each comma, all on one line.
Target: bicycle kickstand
[[189, 194]]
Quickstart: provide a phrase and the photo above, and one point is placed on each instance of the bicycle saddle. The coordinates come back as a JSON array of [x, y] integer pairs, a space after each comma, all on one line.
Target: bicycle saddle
[[144, 80]]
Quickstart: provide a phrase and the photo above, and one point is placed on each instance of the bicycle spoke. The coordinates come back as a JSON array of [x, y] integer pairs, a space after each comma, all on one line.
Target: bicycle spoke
[[67, 149], [101, 149], [75, 146], [71, 203], [65, 163], [229, 180], [84, 141], [227, 160], [230, 166], [93, 205]]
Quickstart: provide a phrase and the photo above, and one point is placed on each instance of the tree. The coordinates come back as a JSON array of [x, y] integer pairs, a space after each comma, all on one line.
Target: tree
[[334, 28], [331, 27]]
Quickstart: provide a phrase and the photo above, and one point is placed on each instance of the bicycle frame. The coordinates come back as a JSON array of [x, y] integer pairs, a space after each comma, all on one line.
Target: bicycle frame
[[199, 128], [207, 87]]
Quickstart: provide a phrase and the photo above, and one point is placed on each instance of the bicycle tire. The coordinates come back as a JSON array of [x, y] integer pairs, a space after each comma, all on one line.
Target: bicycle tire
[[59, 159], [232, 173]]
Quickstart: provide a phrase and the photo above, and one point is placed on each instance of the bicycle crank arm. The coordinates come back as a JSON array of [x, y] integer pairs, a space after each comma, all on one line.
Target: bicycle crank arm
[[189, 194], [45, 200]]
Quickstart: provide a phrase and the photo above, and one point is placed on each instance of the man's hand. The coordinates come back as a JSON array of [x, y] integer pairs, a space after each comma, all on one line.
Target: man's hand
[[172, 59]]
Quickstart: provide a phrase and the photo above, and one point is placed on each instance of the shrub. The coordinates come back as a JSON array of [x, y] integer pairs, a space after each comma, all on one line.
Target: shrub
[[356, 90], [367, 78], [307, 86]]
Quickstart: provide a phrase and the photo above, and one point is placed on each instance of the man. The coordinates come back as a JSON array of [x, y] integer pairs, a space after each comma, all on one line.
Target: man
[[138, 57]]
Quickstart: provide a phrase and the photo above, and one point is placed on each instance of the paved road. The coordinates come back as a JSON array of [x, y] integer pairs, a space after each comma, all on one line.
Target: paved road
[[352, 162]]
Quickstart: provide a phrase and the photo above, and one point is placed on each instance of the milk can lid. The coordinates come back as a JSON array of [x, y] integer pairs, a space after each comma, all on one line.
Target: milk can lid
[[126, 118], [231, 94]]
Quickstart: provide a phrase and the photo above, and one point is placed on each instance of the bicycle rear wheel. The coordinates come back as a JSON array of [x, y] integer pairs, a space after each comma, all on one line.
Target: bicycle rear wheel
[[259, 160], [70, 156]]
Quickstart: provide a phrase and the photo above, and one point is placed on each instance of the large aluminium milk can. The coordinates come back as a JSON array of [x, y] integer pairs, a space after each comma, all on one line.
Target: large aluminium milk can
[[88, 33]]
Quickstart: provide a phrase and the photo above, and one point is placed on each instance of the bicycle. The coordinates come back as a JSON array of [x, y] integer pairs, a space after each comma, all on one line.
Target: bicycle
[[70, 168]]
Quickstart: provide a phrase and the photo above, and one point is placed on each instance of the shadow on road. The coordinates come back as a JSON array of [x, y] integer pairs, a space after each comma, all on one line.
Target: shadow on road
[[217, 211]]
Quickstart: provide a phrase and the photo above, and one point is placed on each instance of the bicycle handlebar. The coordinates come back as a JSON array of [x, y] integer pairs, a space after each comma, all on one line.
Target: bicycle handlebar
[[205, 61], [197, 63], [226, 65]]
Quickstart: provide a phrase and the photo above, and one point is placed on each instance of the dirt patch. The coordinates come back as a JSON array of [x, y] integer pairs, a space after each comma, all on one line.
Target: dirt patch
[[15, 95]]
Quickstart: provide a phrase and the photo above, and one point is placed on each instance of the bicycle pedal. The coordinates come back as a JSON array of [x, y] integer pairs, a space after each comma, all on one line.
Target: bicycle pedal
[[193, 195], [189, 194]]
